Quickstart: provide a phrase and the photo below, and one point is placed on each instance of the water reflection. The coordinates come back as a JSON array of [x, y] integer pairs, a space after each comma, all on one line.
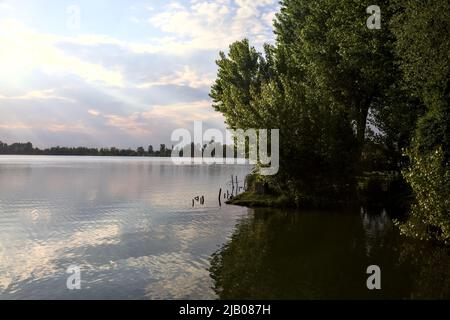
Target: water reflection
[[275, 254], [130, 226], [127, 223]]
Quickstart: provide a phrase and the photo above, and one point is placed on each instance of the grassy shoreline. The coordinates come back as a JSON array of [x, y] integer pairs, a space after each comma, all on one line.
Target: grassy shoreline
[[374, 189], [254, 200]]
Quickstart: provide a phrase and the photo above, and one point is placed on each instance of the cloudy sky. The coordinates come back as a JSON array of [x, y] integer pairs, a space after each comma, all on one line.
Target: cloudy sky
[[116, 73]]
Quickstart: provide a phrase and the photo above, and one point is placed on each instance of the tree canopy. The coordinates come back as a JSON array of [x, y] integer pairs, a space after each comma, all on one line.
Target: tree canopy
[[346, 98]]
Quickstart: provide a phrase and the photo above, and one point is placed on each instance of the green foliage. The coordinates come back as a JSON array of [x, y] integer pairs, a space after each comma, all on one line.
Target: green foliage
[[345, 66], [326, 77], [317, 85], [433, 131], [418, 101], [429, 177], [422, 31], [239, 80]]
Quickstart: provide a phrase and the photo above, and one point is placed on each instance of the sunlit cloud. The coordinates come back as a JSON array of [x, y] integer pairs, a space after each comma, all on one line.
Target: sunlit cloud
[[37, 95], [185, 77], [215, 24], [94, 113], [23, 50], [176, 115]]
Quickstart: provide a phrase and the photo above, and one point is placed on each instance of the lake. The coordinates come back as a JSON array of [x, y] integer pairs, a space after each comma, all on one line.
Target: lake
[[128, 224]]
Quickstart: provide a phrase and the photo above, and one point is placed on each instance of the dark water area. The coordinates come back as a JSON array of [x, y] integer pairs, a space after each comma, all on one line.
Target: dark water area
[[130, 227], [279, 254]]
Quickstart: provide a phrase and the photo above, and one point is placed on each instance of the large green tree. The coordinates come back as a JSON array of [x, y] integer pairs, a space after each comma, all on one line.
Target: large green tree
[[328, 76], [317, 84], [345, 65]]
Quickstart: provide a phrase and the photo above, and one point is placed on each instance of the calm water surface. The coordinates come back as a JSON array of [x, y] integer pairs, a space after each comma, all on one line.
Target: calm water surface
[[129, 224]]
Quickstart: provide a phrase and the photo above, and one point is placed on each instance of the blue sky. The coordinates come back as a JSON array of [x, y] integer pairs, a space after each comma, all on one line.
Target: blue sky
[[116, 73]]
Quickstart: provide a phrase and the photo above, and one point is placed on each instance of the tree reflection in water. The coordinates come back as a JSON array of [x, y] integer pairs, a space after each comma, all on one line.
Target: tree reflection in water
[[279, 254]]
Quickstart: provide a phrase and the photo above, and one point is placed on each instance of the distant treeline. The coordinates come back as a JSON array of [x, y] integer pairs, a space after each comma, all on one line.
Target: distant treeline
[[29, 149]]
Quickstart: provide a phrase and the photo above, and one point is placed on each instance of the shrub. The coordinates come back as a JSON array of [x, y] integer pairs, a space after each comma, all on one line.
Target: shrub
[[429, 177]]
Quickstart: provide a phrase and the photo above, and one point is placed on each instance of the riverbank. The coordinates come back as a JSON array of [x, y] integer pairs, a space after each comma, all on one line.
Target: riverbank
[[373, 189], [254, 200]]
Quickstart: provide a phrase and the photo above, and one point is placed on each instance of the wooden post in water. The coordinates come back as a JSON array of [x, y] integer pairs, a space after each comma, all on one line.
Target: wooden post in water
[[232, 184], [220, 197]]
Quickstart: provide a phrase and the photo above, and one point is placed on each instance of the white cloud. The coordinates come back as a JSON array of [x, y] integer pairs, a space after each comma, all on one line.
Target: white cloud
[[215, 24], [22, 50], [5, 7], [185, 77], [37, 95], [175, 116], [94, 112]]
